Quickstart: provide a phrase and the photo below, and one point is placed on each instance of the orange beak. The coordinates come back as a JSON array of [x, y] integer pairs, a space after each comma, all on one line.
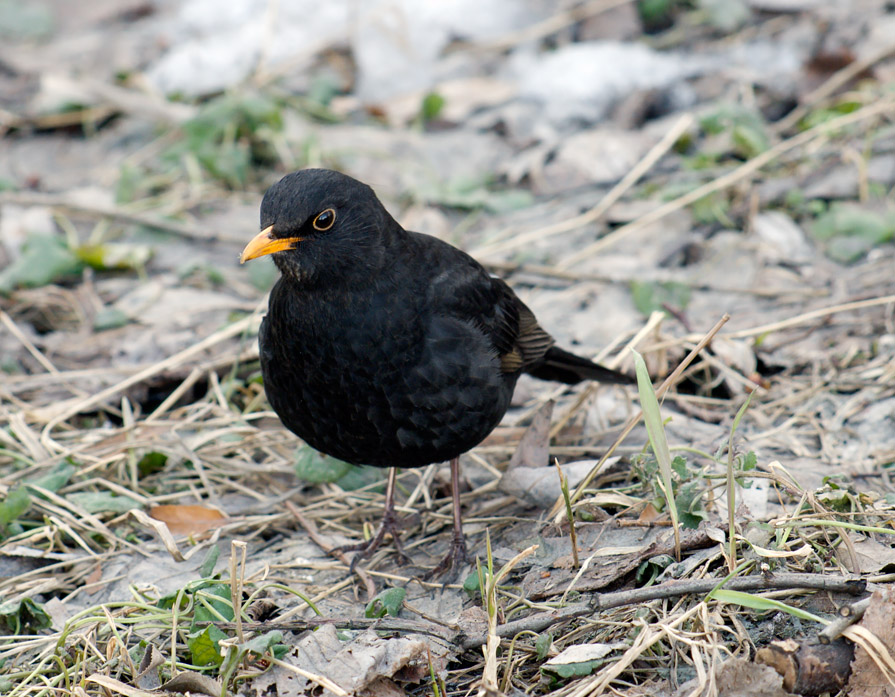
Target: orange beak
[[265, 243]]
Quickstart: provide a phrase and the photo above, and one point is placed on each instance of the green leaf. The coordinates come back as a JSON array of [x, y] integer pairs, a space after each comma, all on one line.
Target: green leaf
[[726, 15], [360, 477], [689, 504], [264, 642], [205, 646], [316, 468], [109, 318], [679, 465], [431, 107], [15, 504], [102, 502], [851, 231], [656, 14], [53, 480], [650, 568], [655, 429], [750, 141], [750, 461], [543, 644], [114, 255], [212, 603], [471, 583], [756, 602], [45, 259], [652, 296], [151, 463], [208, 564], [23, 617], [388, 602]]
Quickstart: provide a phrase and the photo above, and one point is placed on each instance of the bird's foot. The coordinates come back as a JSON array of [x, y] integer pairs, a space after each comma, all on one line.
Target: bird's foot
[[449, 567], [391, 525]]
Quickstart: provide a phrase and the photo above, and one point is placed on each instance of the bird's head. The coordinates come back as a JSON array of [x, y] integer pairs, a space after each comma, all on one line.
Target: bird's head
[[320, 224]]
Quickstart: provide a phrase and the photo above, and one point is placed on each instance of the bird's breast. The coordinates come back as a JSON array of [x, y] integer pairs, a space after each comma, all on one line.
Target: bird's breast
[[372, 381]]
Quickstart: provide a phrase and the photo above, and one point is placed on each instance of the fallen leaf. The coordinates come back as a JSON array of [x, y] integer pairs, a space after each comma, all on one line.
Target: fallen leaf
[[739, 677], [534, 447], [867, 680], [579, 660], [367, 663], [188, 519]]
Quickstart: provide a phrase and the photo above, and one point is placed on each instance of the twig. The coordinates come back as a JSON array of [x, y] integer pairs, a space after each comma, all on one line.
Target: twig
[[533, 623], [853, 613], [26, 342], [551, 25], [318, 540], [384, 624], [320, 680], [655, 319], [807, 316], [673, 589]]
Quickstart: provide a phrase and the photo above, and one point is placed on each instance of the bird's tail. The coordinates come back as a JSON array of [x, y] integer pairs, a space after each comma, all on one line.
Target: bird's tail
[[561, 366]]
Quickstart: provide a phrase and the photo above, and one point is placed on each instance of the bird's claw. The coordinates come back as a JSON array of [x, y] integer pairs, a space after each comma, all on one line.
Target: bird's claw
[[449, 567], [391, 525]]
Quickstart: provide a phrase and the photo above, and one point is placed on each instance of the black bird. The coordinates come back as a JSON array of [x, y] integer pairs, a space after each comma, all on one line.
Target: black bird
[[386, 347]]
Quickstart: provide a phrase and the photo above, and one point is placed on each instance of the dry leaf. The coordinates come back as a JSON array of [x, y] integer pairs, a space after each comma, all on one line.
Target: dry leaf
[[866, 678], [188, 519]]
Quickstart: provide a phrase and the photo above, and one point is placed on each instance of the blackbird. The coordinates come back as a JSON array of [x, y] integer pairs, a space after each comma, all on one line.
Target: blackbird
[[386, 347]]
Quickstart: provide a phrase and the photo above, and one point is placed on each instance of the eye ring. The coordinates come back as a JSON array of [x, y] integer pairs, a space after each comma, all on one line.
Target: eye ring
[[325, 220]]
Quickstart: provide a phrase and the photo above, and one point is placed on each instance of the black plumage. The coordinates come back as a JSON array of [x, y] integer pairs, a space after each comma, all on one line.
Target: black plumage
[[387, 347]]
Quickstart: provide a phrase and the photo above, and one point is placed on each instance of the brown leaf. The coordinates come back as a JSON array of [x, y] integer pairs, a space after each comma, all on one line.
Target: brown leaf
[[188, 519], [866, 678], [534, 448]]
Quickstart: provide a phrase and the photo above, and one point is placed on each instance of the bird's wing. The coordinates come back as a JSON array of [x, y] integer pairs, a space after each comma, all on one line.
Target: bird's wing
[[469, 293]]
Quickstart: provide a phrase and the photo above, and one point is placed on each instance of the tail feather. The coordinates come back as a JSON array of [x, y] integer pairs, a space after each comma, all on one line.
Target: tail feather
[[561, 366]]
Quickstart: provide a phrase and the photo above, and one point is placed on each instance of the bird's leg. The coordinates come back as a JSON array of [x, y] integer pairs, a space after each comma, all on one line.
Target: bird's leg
[[391, 525], [458, 555]]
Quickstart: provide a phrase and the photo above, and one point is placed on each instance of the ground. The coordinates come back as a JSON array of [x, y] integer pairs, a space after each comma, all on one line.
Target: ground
[[709, 183]]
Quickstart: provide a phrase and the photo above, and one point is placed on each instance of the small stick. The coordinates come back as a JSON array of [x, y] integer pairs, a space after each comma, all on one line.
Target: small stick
[[853, 613], [234, 329], [26, 342], [673, 589]]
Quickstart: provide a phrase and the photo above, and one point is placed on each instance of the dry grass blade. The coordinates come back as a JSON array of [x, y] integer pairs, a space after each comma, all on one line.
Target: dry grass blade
[[489, 676], [634, 420], [875, 648], [235, 329], [594, 214]]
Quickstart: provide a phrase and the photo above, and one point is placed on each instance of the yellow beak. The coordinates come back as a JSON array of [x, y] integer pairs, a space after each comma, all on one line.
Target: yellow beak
[[265, 243]]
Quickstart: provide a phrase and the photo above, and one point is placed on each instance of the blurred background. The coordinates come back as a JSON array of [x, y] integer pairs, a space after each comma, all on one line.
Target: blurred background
[[488, 123]]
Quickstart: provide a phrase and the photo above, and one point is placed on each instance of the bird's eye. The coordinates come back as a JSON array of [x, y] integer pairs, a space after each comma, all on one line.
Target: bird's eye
[[324, 221]]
